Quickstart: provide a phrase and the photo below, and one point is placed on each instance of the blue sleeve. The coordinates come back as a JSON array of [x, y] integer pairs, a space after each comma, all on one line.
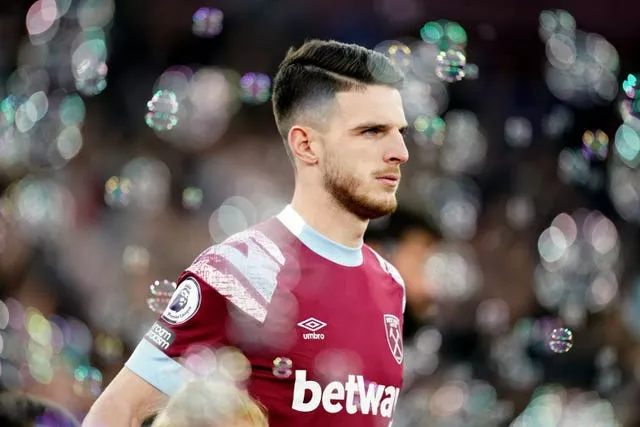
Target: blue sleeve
[[158, 369]]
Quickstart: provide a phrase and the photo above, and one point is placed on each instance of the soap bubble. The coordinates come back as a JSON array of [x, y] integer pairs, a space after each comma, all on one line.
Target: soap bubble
[[282, 367], [207, 22], [451, 65], [255, 88], [560, 340], [163, 108], [160, 293]]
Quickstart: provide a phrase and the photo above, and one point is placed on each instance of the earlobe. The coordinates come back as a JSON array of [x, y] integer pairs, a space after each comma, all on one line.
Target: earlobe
[[300, 143]]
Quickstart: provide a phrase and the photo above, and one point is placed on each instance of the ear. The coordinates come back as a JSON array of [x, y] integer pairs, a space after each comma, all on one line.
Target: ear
[[300, 140]]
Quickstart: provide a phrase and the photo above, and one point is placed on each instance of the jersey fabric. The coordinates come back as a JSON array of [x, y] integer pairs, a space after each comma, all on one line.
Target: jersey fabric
[[320, 323]]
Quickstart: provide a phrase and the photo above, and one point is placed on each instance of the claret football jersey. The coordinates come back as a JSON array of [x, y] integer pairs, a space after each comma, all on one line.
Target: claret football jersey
[[320, 324]]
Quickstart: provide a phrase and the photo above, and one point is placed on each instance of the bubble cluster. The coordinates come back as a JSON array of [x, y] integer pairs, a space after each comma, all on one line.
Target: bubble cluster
[[510, 353], [582, 67], [624, 173], [41, 350], [207, 22], [162, 109], [574, 167], [198, 104], [255, 88], [630, 106], [159, 295], [555, 405], [579, 257], [451, 65]]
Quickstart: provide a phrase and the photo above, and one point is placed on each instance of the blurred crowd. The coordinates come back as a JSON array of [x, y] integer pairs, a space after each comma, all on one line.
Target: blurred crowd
[[135, 134]]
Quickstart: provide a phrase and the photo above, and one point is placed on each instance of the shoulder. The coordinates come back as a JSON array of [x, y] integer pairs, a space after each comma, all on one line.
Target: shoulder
[[389, 269], [386, 266], [243, 268]]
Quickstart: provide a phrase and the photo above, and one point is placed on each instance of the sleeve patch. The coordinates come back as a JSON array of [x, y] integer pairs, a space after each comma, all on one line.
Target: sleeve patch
[[184, 303], [159, 335]]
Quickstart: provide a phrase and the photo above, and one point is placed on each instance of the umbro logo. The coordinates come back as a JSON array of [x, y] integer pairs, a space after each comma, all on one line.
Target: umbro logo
[[313, 325]]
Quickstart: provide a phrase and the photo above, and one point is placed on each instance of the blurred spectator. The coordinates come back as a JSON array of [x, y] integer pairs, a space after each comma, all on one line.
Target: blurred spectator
[[407, 239], [21, 410]]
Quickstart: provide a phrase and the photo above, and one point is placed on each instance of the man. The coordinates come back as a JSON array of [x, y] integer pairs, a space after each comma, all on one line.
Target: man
[[317, 314]]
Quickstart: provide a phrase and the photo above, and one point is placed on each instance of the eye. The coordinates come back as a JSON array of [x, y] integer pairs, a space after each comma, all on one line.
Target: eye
[[371, 132]]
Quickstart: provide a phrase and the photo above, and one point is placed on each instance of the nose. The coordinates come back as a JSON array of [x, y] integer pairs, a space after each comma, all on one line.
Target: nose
[[397, 152]]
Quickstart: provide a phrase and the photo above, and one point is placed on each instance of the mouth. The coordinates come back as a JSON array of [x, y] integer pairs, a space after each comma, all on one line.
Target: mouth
[[390, 179]]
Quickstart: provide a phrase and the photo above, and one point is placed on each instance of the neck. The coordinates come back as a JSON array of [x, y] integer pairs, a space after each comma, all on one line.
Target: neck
[[322, 213]]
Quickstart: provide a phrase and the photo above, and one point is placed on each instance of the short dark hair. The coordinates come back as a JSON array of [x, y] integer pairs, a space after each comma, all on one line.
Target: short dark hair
[[21, 410], [319, 69]]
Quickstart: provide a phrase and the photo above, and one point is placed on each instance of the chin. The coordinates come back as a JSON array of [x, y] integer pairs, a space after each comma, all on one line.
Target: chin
[[378, 208]]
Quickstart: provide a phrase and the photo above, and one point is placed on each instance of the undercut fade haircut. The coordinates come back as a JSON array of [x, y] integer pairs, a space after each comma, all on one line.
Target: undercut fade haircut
[[319, 69]]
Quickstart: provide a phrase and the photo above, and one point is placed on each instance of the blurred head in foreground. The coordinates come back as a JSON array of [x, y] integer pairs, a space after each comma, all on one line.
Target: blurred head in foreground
[[203, 403], [20, 410], [339, 111]]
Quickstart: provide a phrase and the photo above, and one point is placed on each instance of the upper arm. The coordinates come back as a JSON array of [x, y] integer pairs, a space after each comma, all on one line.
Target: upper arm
[[127, 400], [196, 315]]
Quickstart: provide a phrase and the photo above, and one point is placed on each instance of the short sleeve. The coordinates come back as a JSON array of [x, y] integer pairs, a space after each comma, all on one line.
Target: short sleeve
[[235, 279], [196, 315]]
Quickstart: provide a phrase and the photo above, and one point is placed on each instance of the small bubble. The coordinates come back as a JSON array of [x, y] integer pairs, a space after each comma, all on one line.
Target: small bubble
[[560, 340], [429, 130], [255, 88], [160, 293], [207, 22], [192, 198], [630, 86], [163, 108], [117, 191], [595, 145], [518, 131], [282, 367], [399, 54], [451, 65], [88, 381]]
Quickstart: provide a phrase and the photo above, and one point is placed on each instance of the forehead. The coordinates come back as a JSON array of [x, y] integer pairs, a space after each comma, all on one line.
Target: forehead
[[375, 104]]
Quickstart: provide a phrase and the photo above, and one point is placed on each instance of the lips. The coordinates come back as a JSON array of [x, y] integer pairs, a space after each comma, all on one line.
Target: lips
[[390, 179]]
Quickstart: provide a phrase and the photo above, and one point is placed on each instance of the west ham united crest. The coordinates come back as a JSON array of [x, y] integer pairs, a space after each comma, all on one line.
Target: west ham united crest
[[394, 337]]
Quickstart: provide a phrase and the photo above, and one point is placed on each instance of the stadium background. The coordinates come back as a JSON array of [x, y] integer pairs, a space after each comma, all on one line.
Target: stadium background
[[527, 167]]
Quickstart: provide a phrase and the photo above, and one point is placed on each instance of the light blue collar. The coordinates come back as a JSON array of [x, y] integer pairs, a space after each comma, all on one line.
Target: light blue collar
[[326, 248]]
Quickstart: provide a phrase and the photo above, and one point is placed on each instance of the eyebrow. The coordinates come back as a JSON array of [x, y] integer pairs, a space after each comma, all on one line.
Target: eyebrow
[[375, 125]]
